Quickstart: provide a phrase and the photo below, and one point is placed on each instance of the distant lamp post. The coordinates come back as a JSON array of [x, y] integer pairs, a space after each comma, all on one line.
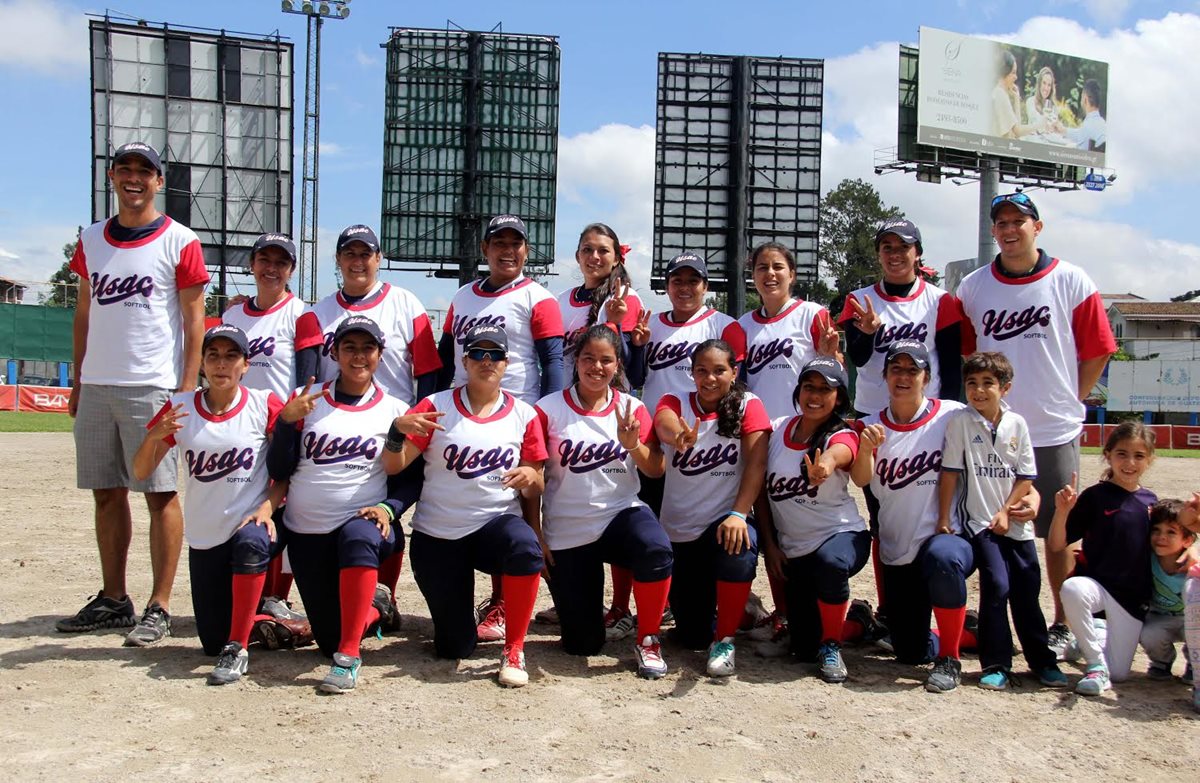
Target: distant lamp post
[[317, 13]]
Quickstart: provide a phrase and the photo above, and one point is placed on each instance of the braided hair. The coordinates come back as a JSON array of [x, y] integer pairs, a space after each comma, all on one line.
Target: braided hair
[[730, 407], [618, 274]]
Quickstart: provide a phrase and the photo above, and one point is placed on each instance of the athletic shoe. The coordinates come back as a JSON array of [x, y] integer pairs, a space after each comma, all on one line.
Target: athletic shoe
[[668, 618], [1158, 671], [831, 667], [491, 627], [547, 616], [994, 678], [768, 627], [721, 658], [945, 675], [619, 624], [389, 613], [885, 643], [512, 668], [232, 663], [280, 609], [343, 674], [1094, 682], [154, 626], [860, 612], [1052, 677], [650, 663], [1062, 641], [99, 612]]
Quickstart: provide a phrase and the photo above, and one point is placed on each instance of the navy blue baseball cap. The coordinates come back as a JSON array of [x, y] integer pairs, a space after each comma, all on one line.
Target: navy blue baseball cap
[[502, 222], [358, 233], [905, 229], [687, 260], [913, 349], [359, 323], [486, 333], [1019, 200], [830, 369], [227, 332], [281, 241], [138, 148]]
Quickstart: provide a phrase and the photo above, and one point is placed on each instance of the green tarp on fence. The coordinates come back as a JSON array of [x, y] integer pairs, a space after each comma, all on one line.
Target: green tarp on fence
[[36, 333]]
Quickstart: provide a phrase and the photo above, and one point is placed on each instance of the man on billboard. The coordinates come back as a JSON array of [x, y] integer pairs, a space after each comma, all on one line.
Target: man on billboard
[[1046, 316], [1092, 133]]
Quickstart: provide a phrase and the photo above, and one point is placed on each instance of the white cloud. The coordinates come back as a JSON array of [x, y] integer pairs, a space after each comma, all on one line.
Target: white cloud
[[8, 256], [31, 253], [43, 36], [366, 60], [331, 148], [1106, 11]]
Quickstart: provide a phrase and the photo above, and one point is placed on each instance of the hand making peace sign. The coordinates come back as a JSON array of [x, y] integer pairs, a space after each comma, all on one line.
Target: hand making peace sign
[[302, 404]]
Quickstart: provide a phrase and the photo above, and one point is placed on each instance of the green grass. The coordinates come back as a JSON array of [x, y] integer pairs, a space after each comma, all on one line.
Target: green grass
[[20, 421], [1192, 453]]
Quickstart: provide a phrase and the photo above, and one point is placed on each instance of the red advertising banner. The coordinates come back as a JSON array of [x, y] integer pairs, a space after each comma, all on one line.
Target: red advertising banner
[[8, 398], [46, 399], [1185, 437], [1091, 435]]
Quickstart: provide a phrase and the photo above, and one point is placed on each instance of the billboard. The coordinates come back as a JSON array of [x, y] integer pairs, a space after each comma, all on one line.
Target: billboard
[[1154, 385], [1012, 101]]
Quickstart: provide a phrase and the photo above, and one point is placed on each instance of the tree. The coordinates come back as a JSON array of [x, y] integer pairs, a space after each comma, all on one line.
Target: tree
[[64, 287], [851, 213], [1187, 296]]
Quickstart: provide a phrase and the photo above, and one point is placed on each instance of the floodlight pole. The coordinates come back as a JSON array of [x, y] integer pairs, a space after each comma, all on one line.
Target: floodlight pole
[[736, 243], [989, 188]]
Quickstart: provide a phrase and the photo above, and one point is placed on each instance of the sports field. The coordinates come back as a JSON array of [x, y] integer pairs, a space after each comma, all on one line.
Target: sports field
[[85, 708]]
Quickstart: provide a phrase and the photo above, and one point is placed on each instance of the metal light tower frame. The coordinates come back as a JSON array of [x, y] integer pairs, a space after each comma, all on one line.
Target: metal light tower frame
[[317, 13]]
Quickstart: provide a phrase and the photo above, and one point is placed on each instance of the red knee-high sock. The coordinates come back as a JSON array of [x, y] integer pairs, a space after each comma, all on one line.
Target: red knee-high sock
[[622, 583], [833, 620], [246, 591], [274, 569], [852, 631], [357, 589], [283, 586], [877, 567], [950, 627], [969, 641], [497, 589], [651, 598], [389, 571], [778, 595], [731, 605], [519, 594]]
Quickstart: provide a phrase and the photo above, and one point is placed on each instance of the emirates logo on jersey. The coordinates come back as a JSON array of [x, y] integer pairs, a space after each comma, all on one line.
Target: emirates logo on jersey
[[660, 356], [583, 457], [759, 356], [886, 335], [1005, 325], [471, 463], [206, 466], [899, 473], [110, 290], [697, 462], [324, 450], [264, 346], [464, 324], [780, 488]]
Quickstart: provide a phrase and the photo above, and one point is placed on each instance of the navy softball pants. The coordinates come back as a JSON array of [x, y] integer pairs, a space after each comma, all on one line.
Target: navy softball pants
[[937, 576], [248, 551], [698, 566], [821, 575]]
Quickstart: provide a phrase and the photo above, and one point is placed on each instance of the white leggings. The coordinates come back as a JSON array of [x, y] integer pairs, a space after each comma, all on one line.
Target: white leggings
[[1081, 598]]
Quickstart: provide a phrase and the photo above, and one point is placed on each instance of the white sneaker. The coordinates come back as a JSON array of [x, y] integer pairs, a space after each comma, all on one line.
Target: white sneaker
[[512, 668], [1094, 682], [619, 624], [232, 663], [721, 658], [650, 663]]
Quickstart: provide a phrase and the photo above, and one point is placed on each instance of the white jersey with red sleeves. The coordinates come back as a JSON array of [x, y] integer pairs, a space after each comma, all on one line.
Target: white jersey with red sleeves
[[409, 349], [526, 311], [275, 336], [917, 316], [590, 478], [806, 516], [575, 314], [225, 459], [135, 324], [465, 463], [776, 349], [340, 468], [906, 479], [702, 482], [671, 345], [1045, 324]]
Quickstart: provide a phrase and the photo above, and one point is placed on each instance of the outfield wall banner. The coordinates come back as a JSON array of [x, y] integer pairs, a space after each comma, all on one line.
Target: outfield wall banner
[[8, 398], [44, 399], [1163, 385], [995, 98]]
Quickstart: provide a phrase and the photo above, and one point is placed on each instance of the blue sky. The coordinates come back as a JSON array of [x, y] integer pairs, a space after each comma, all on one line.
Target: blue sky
[[1136, 237]]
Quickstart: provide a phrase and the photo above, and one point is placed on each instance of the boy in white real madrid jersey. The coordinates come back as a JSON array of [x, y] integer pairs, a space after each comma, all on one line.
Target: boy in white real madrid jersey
[[988, 445]]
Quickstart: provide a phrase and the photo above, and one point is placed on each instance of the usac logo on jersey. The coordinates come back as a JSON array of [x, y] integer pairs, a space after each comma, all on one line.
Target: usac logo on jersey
[[886, 335], [471, 463], [585, 457], [1005, 325], [324, 450], [660, 356], [106, 290], [759, 356], [781, 488], [266, 346], [696, 462], [899, 473], [206, 467]]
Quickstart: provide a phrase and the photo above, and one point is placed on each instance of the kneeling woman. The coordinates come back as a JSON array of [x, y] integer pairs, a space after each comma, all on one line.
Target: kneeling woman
[[483, 464], [925, 566], [813, 534], [223, 434], [598, 438], [329, 445], [714, 472]]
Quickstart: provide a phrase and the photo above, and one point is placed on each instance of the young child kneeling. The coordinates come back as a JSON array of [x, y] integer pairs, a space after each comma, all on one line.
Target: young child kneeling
[[1163, 627]]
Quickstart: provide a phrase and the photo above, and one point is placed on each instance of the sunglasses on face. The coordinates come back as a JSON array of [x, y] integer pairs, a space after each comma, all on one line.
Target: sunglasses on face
[[491, 354]]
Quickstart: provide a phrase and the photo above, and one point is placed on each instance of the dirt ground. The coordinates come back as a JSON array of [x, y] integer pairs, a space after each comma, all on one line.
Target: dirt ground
[[86, 708]]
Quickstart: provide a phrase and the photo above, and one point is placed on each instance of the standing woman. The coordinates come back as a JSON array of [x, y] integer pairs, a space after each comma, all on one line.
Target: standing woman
[[598, 437], [483, 464], [714, 472], [328, 447], [607, 294], [925, 566], [814, 538], [222, 432]]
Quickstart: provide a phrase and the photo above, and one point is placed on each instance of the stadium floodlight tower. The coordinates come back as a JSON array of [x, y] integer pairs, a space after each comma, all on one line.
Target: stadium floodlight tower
[[317, 13]]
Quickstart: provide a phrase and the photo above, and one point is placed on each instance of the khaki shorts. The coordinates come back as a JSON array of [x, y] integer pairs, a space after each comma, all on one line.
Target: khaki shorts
[[110, 425]]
